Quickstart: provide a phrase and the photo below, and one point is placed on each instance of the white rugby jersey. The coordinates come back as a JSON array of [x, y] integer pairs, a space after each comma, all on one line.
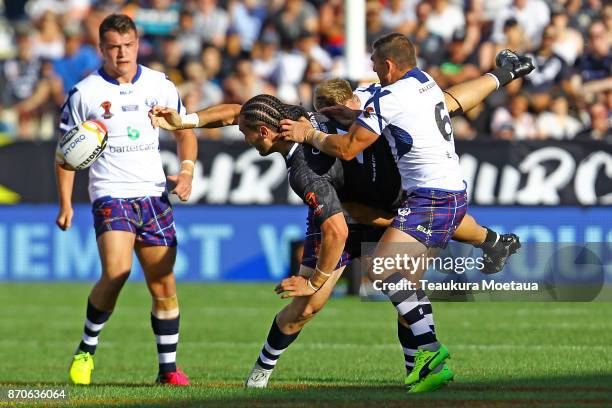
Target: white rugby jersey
[[412, 115], [131, 164]]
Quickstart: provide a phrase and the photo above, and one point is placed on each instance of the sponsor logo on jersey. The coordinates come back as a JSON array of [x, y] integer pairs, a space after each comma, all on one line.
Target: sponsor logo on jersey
[[133, 133], [311, 200], [132, 148], [151, 102], [367, 112], [126, 92], [129, 108], [106, 105]]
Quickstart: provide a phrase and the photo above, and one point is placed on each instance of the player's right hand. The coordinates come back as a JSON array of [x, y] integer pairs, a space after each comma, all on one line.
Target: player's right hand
[[295, 130], [64, 218], [165, 118], [518, 65]]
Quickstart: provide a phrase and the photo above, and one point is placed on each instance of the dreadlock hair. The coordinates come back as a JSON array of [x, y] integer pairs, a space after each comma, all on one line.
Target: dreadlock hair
[[269, 110]]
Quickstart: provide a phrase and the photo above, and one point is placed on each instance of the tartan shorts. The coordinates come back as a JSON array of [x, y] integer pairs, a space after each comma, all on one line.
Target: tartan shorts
[[430, 215], [150, 218], [357, 234]]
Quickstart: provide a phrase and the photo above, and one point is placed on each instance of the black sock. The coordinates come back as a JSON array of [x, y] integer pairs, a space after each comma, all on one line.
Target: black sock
[[94, 323], [491, 239], [276, 343], [166, 337]]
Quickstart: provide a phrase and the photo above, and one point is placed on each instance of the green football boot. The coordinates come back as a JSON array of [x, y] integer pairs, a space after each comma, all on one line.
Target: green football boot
[[81, 368], [425, 362], [433, 381]]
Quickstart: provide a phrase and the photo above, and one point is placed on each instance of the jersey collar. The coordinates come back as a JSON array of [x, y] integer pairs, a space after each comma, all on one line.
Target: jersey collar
[[416, 74], [113, 81]]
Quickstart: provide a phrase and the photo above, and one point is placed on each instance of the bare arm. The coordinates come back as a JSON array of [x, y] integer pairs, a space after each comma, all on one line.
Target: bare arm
[[212, 117], [463, 97], [345, 147], [219, 116], [334, 233], [65, 183], [187, 150]]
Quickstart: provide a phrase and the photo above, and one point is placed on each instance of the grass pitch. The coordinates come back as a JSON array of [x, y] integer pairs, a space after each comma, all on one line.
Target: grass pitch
[[503, 354]]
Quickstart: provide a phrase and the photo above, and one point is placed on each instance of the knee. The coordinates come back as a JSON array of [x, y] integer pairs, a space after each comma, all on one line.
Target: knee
[[116, 281]]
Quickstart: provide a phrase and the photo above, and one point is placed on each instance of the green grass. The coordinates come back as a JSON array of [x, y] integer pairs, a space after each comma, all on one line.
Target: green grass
[[504, 354]]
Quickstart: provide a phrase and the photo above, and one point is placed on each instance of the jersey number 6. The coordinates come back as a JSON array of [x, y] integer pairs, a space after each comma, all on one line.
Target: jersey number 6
[[443, 121]]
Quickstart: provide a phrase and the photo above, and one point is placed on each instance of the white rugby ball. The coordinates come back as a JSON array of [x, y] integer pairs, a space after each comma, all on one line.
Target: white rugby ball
[[82, 145]]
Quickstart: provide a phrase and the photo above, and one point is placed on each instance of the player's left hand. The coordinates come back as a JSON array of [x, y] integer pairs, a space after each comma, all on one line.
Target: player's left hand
[[341, 113], [294, 286], [183, 185], [295, 130], [518, 65]]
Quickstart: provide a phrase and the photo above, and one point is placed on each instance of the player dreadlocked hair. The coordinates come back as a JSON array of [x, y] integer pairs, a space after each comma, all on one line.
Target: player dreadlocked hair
[[269, 110]]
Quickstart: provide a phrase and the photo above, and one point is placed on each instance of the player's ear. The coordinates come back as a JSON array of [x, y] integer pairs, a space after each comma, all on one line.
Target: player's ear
[[264, 132]]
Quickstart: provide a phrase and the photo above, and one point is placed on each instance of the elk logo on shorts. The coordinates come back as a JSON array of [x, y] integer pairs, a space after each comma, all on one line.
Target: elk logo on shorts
[[311, 200], [106, 105]]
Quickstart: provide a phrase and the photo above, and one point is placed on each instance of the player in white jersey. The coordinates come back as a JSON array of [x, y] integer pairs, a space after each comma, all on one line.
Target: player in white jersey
[[127, 187], [410, 111]]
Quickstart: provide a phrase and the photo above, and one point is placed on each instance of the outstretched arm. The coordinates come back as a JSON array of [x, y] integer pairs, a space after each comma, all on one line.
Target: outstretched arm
[[463, 97], [345, 147], [212, 117]]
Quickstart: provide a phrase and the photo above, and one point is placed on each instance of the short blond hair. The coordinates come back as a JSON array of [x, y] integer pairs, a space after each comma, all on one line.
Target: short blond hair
[[335, 91]]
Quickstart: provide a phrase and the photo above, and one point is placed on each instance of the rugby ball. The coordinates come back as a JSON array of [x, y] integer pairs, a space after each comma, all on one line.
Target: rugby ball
[[82, 145]]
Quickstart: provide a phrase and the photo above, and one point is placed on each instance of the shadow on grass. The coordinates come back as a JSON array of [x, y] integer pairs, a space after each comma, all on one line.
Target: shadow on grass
[[590, 391]]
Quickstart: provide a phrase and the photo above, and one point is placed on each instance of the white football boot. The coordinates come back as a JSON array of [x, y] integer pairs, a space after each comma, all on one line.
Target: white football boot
[[258, 378]]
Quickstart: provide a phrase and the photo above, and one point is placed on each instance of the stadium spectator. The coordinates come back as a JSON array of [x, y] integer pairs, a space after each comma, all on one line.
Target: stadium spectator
[[374, 23], [400, 15], [157, 17], [445, 19], [551, 71], [212, 22], [331, 26], [557, 123], [265, 55], [246, 18], [599, 127], [48, 42], [79, 59], [531, 15], [211, 59], [595, 65], [569, 43], [244, 83], [294, 18], [429, 46], [19, 78], [459, 64], [172, 56], [514, 39], [515, 122], [187, 35]]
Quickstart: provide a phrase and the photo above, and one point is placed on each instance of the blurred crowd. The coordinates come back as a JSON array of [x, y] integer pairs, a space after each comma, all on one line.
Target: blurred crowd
[[228, 51]]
